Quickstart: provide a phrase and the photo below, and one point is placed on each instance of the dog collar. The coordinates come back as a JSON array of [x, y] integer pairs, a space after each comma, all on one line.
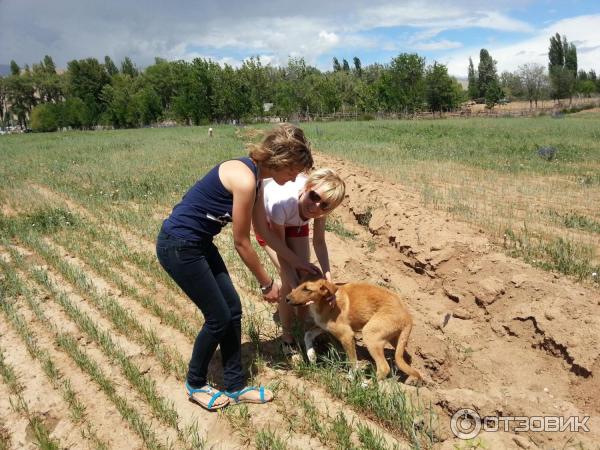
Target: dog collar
[[330, 299]]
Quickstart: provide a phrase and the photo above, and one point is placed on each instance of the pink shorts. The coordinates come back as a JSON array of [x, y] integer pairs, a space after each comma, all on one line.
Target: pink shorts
[[294, 231]]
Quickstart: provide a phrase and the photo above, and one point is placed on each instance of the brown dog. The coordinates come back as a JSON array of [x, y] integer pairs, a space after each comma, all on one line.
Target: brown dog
[[342, 311]]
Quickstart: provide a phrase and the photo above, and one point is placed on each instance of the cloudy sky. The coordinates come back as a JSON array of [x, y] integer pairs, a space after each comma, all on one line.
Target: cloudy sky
[[513, 31]]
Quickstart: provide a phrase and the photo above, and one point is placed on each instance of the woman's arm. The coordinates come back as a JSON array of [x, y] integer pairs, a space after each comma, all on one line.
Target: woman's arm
[[320, 246], [242, 185], [286, 271], [259, 220]]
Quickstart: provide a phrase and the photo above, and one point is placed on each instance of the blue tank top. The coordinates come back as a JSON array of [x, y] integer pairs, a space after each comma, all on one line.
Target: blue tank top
[[206, 208]]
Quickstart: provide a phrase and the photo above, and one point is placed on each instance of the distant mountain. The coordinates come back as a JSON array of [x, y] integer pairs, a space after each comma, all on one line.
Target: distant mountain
[[4, 70]]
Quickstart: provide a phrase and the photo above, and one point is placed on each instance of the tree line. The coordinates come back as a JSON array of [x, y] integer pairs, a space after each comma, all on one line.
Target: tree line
[[90, 93], [531, 81]]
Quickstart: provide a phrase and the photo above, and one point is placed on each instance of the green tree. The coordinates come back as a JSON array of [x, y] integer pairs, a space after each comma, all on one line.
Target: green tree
[[556, 55], [45, 117], [256, 79], [402, 86], [293, 89], [110, 66], [562, 66], [535, 81], [586, 87], [345, 66], [49, 65], [512, 85], [232, 96], [14, 68], [20, 95], [3, 103], [121, 109], [336, 65], [128, 68], [473, 88], [47, 83], [488, 82], [345, 87], [148, 105], [486, 72], [440, 91], [357, 67], [74, 113], [161, 77], [192, 102], [571, 58], [86, 80], [323, 94]]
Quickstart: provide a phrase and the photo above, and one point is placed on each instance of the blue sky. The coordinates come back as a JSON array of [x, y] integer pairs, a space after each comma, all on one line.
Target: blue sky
[[514, 32]]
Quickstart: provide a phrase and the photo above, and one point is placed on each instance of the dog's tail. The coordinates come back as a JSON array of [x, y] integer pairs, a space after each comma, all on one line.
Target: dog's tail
[[400, 346]]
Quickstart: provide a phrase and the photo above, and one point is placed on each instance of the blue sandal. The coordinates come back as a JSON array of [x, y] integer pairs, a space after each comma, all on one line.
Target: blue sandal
[[210, 406], [235, 396]]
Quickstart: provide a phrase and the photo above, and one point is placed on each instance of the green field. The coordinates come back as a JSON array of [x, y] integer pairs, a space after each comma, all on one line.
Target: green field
[[485, 171], [85, 303]]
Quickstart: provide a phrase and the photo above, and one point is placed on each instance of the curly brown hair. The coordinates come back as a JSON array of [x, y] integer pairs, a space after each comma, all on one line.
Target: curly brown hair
[[283, 146]]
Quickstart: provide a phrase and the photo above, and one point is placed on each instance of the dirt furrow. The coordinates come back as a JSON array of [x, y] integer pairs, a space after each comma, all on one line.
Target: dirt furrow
[[132, 241], [192, 419], [175, 340], [56, 197], [101, 408], [40, 397]]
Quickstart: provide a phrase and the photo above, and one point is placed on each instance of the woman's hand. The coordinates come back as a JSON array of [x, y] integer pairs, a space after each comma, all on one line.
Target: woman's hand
[[308, 268], [328, 276], [273, 295]]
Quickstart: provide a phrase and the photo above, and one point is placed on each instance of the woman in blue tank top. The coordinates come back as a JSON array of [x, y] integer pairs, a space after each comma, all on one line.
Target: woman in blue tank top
[[229, 193]]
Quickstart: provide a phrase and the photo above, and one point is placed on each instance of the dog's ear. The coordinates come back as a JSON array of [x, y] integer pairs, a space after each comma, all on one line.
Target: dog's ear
[[327, 289]]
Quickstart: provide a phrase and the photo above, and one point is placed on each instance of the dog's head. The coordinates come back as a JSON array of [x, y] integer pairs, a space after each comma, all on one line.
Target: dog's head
[[312, 291]]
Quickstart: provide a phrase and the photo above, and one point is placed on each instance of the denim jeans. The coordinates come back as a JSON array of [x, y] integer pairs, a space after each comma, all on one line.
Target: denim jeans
[[199, 270]]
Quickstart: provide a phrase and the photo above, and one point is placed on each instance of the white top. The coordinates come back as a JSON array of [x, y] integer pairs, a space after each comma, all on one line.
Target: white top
[[281, 202]]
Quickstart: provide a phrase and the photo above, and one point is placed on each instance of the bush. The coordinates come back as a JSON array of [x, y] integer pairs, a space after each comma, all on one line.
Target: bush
[[74, 113], [45, 117]]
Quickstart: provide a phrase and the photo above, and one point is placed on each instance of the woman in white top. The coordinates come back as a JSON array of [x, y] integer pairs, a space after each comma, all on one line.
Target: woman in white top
[[289, 209]]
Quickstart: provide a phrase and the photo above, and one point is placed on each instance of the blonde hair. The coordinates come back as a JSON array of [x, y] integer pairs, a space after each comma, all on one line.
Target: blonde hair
[[282, 147], [331, 185]]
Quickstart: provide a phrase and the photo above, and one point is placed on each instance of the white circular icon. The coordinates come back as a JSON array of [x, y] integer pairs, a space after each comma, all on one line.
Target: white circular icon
[[465, 423]]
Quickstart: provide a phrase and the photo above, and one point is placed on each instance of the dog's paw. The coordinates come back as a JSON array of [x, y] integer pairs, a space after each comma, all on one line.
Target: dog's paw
[[312, 355]]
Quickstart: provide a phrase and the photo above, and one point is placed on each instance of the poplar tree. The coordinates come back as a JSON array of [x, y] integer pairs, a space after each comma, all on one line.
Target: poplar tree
[[473, 89], [562, 66]]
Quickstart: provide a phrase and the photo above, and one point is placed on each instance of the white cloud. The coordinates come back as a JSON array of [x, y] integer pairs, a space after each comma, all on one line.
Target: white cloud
[[439, 16], [328, 39], [585, 30]]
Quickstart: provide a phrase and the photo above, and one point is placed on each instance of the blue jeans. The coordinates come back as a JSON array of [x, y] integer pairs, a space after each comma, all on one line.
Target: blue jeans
[[199, 270]]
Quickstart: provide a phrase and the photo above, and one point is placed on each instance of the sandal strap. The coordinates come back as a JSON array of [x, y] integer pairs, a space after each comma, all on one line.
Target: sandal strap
[[235, 395], [214, 398], [205, 390]]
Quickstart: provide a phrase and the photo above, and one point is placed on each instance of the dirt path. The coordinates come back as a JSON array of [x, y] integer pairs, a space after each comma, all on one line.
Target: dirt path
[[492, 333]]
